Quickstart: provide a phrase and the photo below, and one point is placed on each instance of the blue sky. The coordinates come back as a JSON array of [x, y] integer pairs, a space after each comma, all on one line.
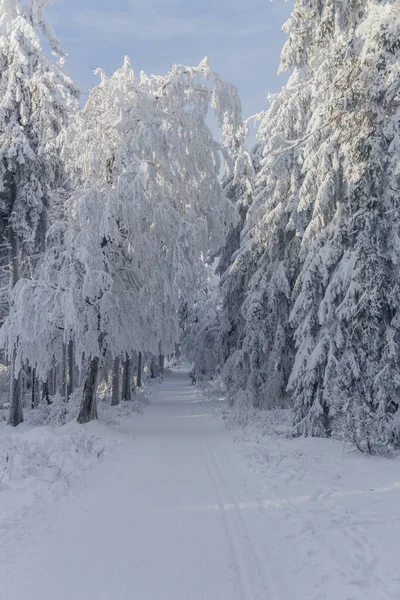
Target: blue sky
[[242, 39]]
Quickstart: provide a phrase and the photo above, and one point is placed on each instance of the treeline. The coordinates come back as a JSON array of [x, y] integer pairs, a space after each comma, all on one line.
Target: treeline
[[108, 212], [308, 312], [111, 216]]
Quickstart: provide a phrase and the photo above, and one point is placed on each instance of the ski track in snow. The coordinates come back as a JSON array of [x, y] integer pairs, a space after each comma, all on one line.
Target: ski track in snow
[[179, 512]]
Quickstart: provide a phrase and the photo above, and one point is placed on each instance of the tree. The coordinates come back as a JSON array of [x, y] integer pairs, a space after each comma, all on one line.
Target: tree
[[315, 278], [36, 96], [346, 372], [200, 329], [256, 288], [135, 232]]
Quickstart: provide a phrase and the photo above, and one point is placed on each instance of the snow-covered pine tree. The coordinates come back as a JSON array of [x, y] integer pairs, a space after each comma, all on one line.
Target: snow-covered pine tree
[[239, 189], [257, 287], [346, 374], [35, 97], [319, 247]]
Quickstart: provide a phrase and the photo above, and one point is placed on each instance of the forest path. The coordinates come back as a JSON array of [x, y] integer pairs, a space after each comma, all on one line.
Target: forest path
[[177, 511], [160, 520]]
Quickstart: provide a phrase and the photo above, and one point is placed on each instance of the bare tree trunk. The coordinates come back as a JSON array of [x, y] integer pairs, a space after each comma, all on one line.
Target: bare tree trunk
[[161, 364], [63, 374], [51, 380], [88, 410], [139, 370], [46, 391], [115, 383], [13, 248], [70, 367], [153, 368], [126, 384], [34, 390], [15, 416]]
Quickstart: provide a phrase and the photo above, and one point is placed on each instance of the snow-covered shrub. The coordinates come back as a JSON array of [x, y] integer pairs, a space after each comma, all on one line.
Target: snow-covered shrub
[[46, 457], [58, 412]]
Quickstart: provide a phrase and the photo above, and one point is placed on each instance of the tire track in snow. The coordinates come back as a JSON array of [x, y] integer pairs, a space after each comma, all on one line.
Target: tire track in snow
[[250, 566], [237, 564]]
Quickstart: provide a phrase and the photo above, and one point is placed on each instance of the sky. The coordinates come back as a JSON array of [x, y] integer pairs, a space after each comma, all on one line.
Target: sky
[[242, 39]]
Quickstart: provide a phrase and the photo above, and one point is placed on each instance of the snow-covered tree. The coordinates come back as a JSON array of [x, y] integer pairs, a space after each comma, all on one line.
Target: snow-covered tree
[[201, 328], [148, 208], [257, 287], [316, 273], [35, 97], [346, 311]]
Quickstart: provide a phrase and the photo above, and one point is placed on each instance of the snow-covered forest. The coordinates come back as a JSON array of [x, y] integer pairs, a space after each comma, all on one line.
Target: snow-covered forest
[[109, 213], [155, 263], [307, 308], [129, 232]]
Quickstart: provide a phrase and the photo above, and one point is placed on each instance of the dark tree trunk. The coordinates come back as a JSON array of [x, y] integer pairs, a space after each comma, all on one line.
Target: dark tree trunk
[[63, 374], [13, 256], [139, 370], [71, 368], [51, 380], [16, 413], [88, 410], [115, 382], [34, 390], [153, 368], [161, 364], [46, 392], [15, 416], [126, 384]]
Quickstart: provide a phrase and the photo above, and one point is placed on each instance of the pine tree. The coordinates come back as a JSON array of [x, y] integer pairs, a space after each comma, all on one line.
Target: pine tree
[[260, 278], [346, 371], [316, 272]]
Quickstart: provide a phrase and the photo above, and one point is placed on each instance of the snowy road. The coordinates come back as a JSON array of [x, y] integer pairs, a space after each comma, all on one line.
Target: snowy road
[[160, 521], [175, 513]]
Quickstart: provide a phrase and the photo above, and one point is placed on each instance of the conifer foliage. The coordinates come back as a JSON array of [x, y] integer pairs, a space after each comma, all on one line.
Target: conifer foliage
[[317, 270]]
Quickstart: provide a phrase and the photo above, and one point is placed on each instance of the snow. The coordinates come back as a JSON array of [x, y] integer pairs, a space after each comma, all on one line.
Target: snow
[[40, 464], [182, 508]]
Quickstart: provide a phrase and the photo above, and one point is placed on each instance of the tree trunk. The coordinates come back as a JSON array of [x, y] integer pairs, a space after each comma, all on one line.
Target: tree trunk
[[52, 381], [153, 368], [126, 385], [34, 390], [161, 364], [71, 368], [63, 374], [46, 391], [115, 383], [139, 370], [88, 410], [16, 413], [15, 416]]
